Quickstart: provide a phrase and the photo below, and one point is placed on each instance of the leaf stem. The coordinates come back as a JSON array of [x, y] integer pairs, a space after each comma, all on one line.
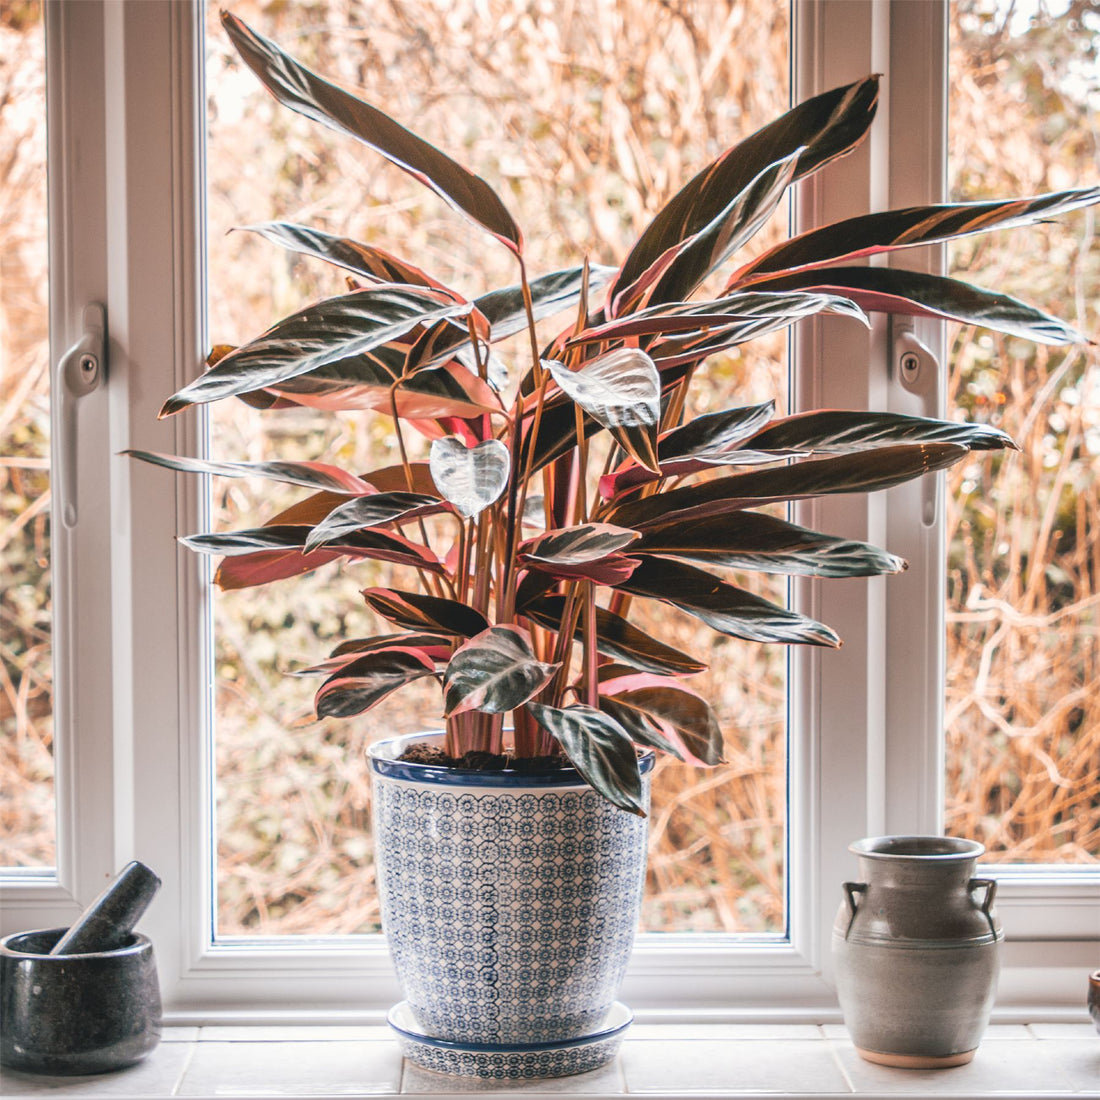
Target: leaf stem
[[429, 583]]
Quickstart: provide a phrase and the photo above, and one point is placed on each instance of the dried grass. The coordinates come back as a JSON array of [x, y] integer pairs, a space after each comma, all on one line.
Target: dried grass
[[591, 114]]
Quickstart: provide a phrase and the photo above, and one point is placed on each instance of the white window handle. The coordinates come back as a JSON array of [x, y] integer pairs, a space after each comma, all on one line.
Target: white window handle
[[79, 371], [918, 370]]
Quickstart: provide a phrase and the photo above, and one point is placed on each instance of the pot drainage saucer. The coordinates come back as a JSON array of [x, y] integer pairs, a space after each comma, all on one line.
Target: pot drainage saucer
[[510, 1061]]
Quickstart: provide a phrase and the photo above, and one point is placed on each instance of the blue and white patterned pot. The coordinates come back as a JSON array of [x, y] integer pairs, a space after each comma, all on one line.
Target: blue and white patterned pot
[[509, 901]]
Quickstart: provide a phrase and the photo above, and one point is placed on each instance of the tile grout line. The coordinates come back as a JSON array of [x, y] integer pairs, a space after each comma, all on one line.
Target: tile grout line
[[192, 1047], [835, 1054]]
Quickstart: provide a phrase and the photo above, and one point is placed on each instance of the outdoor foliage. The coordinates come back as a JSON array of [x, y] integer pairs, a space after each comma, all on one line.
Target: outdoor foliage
[[508, 596], [292, 799]]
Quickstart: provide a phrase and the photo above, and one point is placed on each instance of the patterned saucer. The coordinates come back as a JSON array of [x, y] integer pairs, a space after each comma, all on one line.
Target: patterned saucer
[[503, 1061]]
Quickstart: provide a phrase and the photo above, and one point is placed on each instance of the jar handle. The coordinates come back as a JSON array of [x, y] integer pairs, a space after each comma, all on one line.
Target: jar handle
[[851, 889], [987, 902]]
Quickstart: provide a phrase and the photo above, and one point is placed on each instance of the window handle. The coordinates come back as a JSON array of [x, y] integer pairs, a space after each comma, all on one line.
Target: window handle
[[79, 371], [918, 370]]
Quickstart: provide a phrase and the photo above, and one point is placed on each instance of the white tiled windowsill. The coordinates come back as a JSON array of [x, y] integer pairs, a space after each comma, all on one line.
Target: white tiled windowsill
[[657, 1061]]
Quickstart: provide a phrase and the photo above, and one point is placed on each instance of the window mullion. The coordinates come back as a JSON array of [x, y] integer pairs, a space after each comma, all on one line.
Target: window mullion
[[916, 102], [838, 748]]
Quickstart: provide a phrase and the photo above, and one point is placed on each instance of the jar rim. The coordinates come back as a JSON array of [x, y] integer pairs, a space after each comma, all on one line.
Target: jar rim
[[935, 848]]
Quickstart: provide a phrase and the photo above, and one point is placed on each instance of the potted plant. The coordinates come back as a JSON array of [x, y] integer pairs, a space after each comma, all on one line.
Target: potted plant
[[546, 508]]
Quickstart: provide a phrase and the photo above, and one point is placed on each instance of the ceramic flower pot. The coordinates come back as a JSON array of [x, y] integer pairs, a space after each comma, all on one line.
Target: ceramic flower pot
[[509, 901], [917, 951]]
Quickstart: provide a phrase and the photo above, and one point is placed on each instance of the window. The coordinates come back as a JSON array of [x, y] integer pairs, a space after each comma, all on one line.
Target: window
[[583, 118], [865, 742], [26, 710], [1022, 580]]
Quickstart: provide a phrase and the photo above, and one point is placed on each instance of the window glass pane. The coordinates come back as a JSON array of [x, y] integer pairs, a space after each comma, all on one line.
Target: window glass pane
[[26, 718], [1023, 694], [586, 118]]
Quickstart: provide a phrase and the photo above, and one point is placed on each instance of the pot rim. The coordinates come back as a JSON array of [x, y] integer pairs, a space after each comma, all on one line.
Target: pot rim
[[383, 761], [139, 945], [936, 849]]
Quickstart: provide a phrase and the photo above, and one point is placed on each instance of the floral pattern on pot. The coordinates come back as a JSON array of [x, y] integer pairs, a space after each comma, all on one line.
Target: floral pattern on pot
[[510, 904]]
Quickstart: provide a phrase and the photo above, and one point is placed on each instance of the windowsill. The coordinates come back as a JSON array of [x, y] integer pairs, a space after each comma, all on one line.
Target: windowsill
[[657, 1060]]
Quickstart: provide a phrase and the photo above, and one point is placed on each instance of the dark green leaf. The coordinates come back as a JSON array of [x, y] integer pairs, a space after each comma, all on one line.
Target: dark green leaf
[[494, 672], [296, 87], [368, 680], [313, 475], [365, 260], [915, 294], [671, 720], [825, 127], [321, 335], [724, 607], [618, 638], [887, 230], [752, 540], [599, 748], [415, 611], [861, 472], [370, 511]]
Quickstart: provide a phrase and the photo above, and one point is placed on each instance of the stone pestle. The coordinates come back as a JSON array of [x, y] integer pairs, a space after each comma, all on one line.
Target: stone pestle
[[108, 923]]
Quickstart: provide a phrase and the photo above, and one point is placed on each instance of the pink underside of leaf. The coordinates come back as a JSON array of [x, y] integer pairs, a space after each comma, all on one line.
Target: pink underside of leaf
[[635, 680], [264, 566], [334, 664], [612, 570]]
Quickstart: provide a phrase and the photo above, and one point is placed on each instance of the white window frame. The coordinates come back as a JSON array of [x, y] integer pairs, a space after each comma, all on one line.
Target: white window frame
[[134, 771]]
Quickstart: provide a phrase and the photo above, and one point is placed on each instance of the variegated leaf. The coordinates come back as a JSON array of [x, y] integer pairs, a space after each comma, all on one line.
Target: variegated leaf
[[418, 612], [825, 127], [670, 719], [257, 544], [494, 672], [765, 544], [368, 680], [619, 638], [599, 748], [370, 511], [296, 87], [887, 230], [313, 475], [862, 472], [318, 336], [622, 391], [674, 276], [842, 431], [471, 478], [725, 607], [365, 260], [916, 294]]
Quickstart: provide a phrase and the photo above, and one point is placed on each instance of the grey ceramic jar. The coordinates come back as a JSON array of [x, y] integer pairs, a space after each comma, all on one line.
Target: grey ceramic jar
[[76, 1014], [916, 945]]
